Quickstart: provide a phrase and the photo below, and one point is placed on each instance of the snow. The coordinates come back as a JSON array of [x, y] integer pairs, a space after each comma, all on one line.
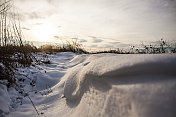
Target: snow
[[4, 100], [100, 85]]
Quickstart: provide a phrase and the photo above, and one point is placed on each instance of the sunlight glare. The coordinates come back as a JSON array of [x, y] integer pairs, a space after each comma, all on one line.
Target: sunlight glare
[[44, 32]]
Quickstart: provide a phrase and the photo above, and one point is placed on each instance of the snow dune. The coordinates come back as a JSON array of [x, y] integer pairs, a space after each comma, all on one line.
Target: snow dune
[[122, 85], [110, 85]]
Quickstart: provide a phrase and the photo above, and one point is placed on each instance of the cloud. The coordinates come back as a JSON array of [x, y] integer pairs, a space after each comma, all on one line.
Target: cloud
[[93, 46], [35, 15], [49, 1], [108, 46], [38, 24], [123, 45], [59, 26], [35, 9], [113, 43], [21, 16], [56, 37], [82, 40], [127, 20], [96, 39], [25, 28]]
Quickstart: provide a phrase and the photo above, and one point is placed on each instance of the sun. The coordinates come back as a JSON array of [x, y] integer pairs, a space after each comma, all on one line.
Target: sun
[[44, 32]]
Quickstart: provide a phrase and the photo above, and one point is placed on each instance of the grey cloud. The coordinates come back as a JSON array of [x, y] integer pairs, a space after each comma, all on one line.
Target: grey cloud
[[25, 28], [28, 15], [35, 15], [51, 12], [94, 46], [96, 39], [52, 1], [22, 0], [56, 3], [57, 37], [21, 16], [38, 24], [114, 43], [49, 1], [108, 46], [74, 38], [123, 45], [82, 40]]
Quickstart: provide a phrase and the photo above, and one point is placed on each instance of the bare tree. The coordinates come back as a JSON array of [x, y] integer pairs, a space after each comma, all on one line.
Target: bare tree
[[10, 29]]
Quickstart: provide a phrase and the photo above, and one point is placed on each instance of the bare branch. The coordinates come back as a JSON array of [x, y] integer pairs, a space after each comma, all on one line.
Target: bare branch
[[4, 3]]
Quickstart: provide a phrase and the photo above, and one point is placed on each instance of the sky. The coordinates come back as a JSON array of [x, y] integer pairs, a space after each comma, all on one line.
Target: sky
[[98, 23]]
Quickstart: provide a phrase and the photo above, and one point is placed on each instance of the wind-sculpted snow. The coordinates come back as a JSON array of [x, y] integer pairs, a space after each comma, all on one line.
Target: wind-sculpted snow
[[106, 85], [117, 68], [123, 85]]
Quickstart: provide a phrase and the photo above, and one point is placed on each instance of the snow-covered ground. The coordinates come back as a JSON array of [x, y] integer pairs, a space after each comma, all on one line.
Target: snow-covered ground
[[104, 85]]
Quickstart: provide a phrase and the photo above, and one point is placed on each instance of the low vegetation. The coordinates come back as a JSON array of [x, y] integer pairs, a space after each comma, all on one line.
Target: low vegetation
[[72, 46], [13, 53], [161, 47]]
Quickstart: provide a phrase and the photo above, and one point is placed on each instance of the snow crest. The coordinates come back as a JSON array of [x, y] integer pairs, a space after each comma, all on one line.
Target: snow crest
[[103, 70]]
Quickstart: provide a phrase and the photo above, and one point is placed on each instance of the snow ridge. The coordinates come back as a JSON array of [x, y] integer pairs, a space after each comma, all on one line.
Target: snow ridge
[[97, 68]]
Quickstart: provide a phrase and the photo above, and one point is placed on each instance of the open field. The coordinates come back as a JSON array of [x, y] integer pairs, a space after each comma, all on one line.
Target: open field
[[71, 80]]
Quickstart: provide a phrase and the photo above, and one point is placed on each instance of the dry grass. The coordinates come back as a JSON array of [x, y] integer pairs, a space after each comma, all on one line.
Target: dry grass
[[13, 52], [161, 47], [67, 47]]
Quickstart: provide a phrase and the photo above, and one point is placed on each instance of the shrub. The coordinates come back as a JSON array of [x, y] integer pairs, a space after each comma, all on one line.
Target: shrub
[[13, 52], [161, 47]]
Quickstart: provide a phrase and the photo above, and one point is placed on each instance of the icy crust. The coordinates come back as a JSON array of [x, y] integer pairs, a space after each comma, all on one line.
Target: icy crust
[[117, 67]]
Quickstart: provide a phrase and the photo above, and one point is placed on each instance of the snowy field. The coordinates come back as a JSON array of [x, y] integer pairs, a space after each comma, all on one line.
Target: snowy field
[[103, 85]]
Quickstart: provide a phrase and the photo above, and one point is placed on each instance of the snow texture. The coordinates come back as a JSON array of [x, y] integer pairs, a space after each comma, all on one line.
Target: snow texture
[[4, 100], [104, 85]]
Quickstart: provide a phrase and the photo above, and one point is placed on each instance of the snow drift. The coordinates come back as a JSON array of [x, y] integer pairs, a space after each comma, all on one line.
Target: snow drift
[[122, 85], [106, 85], [116, 68]]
